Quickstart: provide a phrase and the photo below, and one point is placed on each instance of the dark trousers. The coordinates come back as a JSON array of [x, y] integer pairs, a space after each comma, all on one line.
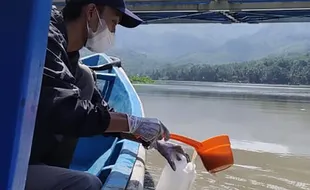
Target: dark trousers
[[43, 177]]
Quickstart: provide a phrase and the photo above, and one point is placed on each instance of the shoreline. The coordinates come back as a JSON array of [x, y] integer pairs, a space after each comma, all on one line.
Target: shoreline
[[252, 92]]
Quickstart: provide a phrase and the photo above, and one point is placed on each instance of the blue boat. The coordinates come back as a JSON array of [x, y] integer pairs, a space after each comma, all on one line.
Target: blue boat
[[117, 162]]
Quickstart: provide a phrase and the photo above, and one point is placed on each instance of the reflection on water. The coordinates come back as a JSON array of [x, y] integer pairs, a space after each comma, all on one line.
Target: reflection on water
[[275, 92], [269, 132], [260, 147]]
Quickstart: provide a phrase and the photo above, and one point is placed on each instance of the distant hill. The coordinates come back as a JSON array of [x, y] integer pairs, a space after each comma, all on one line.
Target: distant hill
[[154, 46], [292, 68]]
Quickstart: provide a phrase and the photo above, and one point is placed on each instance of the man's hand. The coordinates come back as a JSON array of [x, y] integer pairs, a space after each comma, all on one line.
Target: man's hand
[[147, 130], [171, 151], [152, 133]]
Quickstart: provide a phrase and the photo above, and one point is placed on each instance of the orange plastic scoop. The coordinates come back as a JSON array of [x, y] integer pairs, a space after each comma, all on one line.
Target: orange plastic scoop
[[215, 153]]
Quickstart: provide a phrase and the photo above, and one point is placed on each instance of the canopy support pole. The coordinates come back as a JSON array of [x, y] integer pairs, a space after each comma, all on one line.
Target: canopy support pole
[[23, 38]]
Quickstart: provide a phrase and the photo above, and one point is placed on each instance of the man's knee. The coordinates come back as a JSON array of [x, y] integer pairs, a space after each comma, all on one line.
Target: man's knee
[[89, 182]]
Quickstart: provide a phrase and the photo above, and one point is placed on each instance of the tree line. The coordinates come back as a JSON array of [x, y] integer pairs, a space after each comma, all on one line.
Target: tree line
[[286, 69]]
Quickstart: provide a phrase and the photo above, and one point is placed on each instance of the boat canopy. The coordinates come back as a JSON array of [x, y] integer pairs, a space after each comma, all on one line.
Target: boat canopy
[[218, 11]]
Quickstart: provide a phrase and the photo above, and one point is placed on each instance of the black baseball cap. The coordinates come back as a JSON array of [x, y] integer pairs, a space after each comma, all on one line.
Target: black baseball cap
[[129, 19]]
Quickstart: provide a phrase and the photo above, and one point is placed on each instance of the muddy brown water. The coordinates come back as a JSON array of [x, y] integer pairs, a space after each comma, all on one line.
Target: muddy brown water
[[269, 127]]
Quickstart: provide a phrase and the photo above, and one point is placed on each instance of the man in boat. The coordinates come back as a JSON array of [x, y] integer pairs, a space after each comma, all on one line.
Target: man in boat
[[68, 109]]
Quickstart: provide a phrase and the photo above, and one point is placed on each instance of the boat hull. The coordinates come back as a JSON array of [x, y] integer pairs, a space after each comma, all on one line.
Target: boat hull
[[117, 162]]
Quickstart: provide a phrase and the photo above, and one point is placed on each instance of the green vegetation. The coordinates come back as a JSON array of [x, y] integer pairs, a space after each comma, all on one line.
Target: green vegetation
[[287, 69], [156, 46], [217, 54], [140, 79]]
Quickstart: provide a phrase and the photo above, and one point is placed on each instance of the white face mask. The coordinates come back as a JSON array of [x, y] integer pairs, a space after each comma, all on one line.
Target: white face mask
[[101, 40]]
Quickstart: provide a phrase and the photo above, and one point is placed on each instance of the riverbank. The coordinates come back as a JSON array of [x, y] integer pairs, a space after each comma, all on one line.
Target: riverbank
[[220, 89], [141, 80]]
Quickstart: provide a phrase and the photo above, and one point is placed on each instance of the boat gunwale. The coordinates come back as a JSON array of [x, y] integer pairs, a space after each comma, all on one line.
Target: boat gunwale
[[137, 174]]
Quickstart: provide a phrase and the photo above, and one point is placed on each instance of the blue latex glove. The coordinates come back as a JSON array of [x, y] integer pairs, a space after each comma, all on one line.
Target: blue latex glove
[[148, 130], [171, 151], [153, 134]]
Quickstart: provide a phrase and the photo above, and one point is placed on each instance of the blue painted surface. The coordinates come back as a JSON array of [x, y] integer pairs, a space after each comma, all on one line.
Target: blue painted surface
[[263, 16], [123, 166], [23, 39], [190, 2], [111, 159], [203, 16], [253, 16], [241, 16]]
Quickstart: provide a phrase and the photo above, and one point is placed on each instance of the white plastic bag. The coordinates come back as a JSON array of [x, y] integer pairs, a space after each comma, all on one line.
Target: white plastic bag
[[181, 179]]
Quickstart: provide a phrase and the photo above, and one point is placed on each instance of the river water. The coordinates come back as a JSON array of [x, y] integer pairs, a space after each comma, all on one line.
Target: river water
[[269, 127]]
